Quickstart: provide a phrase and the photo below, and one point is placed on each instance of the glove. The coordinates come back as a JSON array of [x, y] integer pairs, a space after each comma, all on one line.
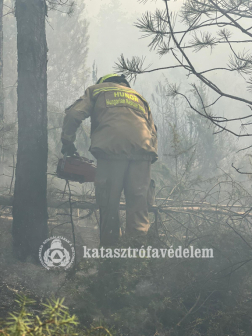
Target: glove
[[68, 148]]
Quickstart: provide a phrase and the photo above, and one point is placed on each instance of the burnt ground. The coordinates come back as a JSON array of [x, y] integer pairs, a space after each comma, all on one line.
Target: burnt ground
[[34, 280]]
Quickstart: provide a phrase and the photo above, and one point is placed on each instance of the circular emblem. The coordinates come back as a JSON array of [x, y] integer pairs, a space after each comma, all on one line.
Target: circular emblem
[[56, 252]]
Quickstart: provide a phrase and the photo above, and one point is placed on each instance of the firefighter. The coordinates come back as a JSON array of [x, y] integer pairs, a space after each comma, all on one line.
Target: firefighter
[[124, 142]]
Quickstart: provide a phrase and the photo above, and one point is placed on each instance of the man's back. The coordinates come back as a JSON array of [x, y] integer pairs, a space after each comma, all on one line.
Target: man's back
[[124, 141], [121, 122]]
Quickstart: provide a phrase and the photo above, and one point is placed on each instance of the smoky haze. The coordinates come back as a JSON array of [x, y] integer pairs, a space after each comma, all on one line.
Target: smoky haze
[[112, 33], [191, 198]]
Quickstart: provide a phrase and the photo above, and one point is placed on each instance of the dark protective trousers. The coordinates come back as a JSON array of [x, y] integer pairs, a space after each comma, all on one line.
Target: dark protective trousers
[[113, 176]]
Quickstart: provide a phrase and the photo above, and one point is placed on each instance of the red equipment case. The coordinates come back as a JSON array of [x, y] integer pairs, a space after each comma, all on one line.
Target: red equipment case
[[76, 168]]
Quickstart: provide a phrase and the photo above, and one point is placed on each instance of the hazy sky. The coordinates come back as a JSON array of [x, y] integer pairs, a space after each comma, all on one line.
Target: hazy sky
[[112, 33]]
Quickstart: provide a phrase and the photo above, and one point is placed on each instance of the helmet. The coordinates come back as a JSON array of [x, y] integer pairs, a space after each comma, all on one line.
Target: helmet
[[56, 244], [115, 78]]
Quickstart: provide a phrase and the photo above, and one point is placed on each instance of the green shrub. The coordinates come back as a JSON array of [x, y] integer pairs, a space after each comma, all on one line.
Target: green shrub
[[54, 319]]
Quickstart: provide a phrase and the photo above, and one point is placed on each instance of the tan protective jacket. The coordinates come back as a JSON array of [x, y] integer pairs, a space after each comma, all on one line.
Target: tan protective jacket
[[121, 122]]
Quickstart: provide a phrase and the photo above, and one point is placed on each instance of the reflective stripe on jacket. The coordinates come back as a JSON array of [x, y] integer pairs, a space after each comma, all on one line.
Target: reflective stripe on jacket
[[121, 122]]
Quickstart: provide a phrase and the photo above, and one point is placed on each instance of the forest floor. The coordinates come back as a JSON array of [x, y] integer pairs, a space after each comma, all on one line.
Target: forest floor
[[31, 279]]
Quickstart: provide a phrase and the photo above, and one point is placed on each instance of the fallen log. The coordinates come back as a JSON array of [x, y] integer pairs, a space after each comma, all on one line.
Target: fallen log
[[90, 204]]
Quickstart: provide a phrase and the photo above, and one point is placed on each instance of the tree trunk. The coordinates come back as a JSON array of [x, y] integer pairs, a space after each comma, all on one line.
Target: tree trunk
[[1, 63], [30, 204]]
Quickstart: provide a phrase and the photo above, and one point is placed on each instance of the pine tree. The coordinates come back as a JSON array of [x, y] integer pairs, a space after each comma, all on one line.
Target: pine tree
[[30, 203], [1, 62]]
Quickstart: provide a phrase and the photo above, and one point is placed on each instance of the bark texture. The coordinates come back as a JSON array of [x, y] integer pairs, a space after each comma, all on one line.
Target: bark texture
[[30, 204], [1, 63]]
